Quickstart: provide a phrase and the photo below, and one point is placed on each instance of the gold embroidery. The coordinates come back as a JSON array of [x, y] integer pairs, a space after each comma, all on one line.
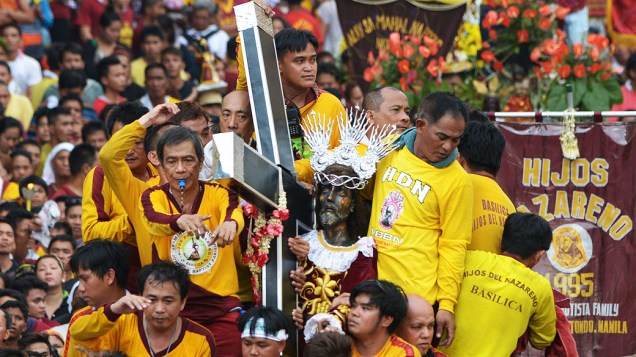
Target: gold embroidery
[[320, 288]]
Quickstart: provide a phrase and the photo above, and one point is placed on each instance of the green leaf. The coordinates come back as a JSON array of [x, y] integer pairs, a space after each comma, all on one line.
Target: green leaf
[[556, 98], [595, 99], [579, 85], [613, 90]]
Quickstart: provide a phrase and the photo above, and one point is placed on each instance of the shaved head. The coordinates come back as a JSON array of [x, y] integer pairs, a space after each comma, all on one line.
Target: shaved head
[[418, 326]]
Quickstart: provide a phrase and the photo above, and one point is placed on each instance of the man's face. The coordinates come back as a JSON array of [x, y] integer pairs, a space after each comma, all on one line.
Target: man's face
[[37, 303], [418, 327], [9, 139], [5, 76], [21, 168], [75, 108], [152, 47], [97, 139], [336, 205], [136, 157], [253, 346], [63, 251], [156, 83], [5, 96], [7, 239], [394, 110], [236, 115], [74, 219], [18, 323], [298, 69], [116, 78], [72, 61], [155, 11], [36, 154], [41, 348], [22, 235], [326, 80], [201, 127], [181, 162], [201, 19], [173, 64], [91, 288], [165, 304], [434, 142], [364, 318], [60, 164], [43, 130], [13, 39], [124, 61], [63, 129]]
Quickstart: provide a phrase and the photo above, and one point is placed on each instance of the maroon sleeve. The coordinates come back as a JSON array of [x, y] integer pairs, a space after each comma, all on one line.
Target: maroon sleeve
[[363, 268]]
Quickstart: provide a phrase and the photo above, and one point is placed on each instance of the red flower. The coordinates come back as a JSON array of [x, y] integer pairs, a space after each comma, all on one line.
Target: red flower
[[383, 55], [254, 242], [488, 56], [394, 38], [368, 75], [370, 58], [497, 66], [281, 214], [504, 19], [606, 76], [544, 23], [547, 66], [523, 36], [492, 34], [598, 41], [490, 19], [262, 259], [579, 70], [595, 68], [404, 66], [433, 68], [538, 72], [504, 3], [513, 12], [561, 12], [416, 40], [545, 10], [408, 51], [403, 84], [485, 44], [274, 229], [251, 211], [595, 54], [424, 51], [432, 45], [535, 54], [530, 13], [578, 49], [564, 71], [411, 76]]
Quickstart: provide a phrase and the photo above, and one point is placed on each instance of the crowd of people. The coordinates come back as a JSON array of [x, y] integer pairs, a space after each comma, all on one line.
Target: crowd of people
[[112, 245]]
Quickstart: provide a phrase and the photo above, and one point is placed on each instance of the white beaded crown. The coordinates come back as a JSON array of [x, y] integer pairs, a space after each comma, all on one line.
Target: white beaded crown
[[353, 129]]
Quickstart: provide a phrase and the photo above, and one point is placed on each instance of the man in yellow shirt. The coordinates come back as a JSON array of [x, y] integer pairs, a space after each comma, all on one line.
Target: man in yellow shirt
[[480, 154], [296, 50], [15, 105], [377, 308], [149, 324], [419, 215], [501, 297]]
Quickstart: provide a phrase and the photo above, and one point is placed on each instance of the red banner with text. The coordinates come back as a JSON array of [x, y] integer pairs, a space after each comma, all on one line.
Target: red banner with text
[[590, 204]]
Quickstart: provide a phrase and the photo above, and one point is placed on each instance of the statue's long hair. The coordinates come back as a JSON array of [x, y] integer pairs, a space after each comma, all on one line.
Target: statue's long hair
[[358, 220]]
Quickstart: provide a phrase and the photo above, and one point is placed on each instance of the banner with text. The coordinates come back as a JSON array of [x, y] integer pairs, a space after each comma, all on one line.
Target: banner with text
[[590, 203], [367, 27]]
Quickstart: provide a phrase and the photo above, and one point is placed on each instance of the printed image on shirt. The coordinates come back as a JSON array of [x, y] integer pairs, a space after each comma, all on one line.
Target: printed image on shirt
[[194, 253], [391, 209], [571, 248]]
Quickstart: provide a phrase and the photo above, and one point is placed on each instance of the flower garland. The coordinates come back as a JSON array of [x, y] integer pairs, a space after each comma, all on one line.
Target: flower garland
[[261, 232]]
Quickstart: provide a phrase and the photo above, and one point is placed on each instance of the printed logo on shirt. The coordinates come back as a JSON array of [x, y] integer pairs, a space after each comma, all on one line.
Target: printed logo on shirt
[[194, 253], [571, 248], [391, 209]]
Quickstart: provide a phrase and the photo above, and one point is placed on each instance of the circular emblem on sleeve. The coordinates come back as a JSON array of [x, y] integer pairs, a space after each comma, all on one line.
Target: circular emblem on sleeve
[[195, 254], [571, 248]]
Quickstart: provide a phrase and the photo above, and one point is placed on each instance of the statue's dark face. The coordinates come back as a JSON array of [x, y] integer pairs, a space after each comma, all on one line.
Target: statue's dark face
[[336, 205]]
